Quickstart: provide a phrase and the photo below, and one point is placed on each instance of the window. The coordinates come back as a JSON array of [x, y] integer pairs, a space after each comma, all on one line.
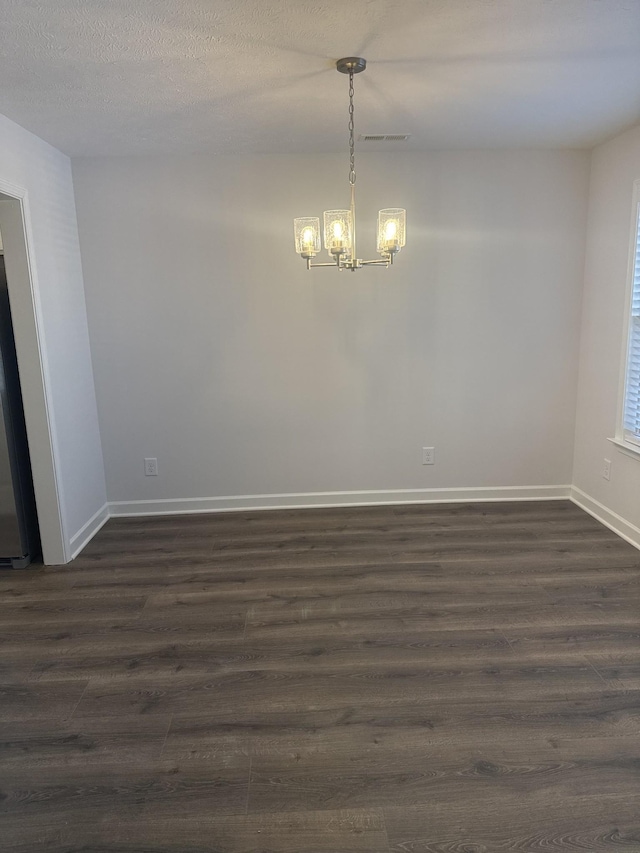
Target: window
[[631, 402]]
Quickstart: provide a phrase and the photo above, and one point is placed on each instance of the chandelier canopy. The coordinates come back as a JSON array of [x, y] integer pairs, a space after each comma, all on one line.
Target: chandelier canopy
[[340, 225]]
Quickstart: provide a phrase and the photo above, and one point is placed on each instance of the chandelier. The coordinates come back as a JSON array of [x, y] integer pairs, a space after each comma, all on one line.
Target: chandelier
[[340, 225]]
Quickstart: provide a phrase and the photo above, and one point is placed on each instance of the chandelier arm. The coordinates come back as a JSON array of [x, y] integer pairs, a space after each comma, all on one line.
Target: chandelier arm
[[352, 265], [327, 264]]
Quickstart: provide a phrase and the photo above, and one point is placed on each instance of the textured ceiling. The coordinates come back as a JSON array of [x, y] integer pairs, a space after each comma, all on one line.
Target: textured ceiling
[[100, 77]]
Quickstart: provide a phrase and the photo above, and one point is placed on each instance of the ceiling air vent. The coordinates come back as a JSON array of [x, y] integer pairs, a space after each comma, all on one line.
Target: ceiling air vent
[[384, 137]]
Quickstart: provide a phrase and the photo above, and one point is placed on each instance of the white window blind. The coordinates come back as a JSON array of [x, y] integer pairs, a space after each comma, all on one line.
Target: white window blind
[[631, 425]]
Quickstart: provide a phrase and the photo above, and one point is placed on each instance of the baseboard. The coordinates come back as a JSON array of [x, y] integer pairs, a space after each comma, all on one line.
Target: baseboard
[[88, 531], [336, 499], [606, 516]]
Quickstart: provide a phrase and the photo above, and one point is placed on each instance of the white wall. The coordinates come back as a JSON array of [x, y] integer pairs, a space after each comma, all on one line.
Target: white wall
[[58, 318], [215, 351], [615, 166]]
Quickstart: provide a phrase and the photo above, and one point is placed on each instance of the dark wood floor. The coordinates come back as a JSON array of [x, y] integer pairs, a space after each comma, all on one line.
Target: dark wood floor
[[450, 679]]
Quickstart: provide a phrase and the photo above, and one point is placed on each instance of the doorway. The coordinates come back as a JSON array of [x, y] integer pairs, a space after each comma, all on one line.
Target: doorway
[[19, 536], [23, 294]]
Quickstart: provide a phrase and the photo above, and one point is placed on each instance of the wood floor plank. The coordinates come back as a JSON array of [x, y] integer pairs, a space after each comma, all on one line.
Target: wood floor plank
[[605, 585], [511, 822], [510, 555], [67, 632], [610, 713], [334, 688], [35, 579], [86, 793], [597, 638], [64, 743], [416, 770], [135, 570], [20, 700], [203, 653], [346, 831], [413, 603], [473, 617], [65, 607]]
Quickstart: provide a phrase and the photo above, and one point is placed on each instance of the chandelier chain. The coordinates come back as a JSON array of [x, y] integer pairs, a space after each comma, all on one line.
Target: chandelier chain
[[352, 145]]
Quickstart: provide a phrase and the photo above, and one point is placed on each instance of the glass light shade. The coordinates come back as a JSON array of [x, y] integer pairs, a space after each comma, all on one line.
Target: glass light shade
[[392, 230], [306, 232], [338, 230]]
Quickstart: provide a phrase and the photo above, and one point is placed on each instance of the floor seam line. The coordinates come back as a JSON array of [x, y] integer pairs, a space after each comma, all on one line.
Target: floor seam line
[[386, 831], [601, 677], [166, 734], [507, 640], [86, 687], [246, 808], [246, 619]]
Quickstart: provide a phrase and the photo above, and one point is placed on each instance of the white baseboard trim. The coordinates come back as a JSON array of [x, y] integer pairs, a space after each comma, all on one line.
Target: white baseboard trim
[[88, 531], [606, 516], [236, 503]]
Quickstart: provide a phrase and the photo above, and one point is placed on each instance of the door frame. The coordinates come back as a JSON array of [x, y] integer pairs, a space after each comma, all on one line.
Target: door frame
[[33, 368]]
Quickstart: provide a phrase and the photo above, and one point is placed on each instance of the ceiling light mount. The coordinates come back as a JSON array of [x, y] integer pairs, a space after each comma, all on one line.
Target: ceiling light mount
[[351, 65], [340, 225]]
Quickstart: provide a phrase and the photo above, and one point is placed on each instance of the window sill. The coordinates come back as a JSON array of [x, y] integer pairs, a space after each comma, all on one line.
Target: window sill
[[625, 447]]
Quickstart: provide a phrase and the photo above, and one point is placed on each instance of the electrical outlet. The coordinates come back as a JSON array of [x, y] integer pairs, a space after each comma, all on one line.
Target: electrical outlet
[[428, 456], [606, 469], [151, 467]]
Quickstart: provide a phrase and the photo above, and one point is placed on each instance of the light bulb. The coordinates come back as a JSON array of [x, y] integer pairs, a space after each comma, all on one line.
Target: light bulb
[[337, 232], [306, 232], [391, 230]]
